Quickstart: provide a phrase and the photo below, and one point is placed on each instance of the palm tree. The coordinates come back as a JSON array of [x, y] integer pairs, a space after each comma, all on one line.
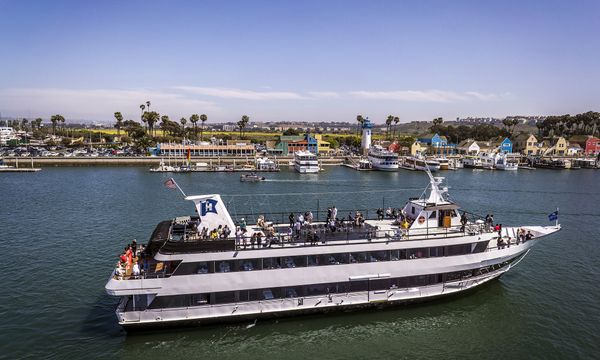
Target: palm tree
[[151, 117], [360, 120], [143, 107], [242, 124], [119, 123], [24, 122], [148, 105], [388, 124], [55, 119], [38, 123], [396, 121], [183, 121], [164, 123], [194, 120], [203, 118]]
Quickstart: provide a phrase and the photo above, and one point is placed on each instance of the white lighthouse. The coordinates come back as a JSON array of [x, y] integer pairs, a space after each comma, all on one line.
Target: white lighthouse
[[365, 143]]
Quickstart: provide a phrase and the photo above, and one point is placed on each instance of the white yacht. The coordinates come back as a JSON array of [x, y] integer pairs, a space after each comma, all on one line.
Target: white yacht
[[420, 163], [306, 162], [265, 164], [443, 162], [382, 159], [188, 279], [506, 162], [472, 162]]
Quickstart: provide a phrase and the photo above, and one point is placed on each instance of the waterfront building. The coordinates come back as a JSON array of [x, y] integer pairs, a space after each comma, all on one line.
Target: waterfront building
[[525, 144], [7, 134], [289, 144], [558, 146], [437, 145], [324, 147], [232, 148], [589, 144], [418, 148], [468, 147]]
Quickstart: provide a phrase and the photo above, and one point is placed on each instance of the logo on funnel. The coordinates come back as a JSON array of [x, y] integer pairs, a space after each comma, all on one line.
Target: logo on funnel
[[208, 206]]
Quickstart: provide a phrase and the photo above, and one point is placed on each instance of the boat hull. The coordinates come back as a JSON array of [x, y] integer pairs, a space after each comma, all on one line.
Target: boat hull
[[315, 305]]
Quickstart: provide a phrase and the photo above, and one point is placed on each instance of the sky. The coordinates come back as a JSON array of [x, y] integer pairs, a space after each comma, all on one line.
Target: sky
[[298, 60]]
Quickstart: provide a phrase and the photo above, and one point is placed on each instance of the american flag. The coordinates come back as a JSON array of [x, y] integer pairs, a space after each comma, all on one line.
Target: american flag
[[171, 184]]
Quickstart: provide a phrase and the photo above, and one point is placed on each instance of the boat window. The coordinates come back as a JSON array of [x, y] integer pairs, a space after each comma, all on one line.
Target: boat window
[[454, 213], [421, 280], [480, 246], [248, 264], [418, 253], [224, 266], [380, 255], [433, 215], [395, 255], [271, 263], [203, 267], [333, 259], [198, 299], [292, 292], [413, 210], [300, 261], [436, 251], [380, 284], [314, 260], [361, 257], [461, 249], [224, 297], [359, 285]]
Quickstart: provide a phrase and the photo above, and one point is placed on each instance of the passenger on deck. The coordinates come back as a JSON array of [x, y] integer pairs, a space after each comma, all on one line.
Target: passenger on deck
[[204, 233], [292, 219], [226, 232], [309, 217], [301, 219], [329, 213], [463, 222], [297, 228], [388, 213], [500, 243], [214, 234], [379, 214], [261, 221], [332, 225], [259, 239], [350, 218], [334, 212], [238, 237], [134, 248], [529, 235], [243, 224], [394, 213], [136, 270]]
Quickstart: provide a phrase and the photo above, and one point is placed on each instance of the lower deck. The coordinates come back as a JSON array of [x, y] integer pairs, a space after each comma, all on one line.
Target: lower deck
[[358, 292]]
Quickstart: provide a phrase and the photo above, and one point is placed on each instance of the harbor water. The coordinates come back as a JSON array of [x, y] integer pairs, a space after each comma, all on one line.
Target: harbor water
[[62, 229]]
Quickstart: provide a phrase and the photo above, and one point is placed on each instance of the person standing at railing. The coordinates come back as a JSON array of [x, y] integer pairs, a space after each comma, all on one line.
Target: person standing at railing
[[334, 212], [463, 222]]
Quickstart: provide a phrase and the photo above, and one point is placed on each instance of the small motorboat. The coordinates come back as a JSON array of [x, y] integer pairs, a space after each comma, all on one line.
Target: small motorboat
[[251, 178]]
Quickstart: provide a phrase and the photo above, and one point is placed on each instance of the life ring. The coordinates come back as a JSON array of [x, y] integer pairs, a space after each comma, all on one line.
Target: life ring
[[421, 219]]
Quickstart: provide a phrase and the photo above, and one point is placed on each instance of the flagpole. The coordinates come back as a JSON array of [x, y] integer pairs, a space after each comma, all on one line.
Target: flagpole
[[178, 188]]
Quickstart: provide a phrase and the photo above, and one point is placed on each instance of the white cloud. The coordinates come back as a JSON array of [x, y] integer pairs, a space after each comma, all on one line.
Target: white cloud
[[228, 93], [439, 96], [324, 94], [98, 104]]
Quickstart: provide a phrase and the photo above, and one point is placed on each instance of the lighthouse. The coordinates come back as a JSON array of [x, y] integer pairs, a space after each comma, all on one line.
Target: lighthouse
[[365, 143]]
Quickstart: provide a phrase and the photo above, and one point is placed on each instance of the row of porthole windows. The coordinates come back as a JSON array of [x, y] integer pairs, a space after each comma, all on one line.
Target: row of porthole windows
[[287, 292], [289, 262]]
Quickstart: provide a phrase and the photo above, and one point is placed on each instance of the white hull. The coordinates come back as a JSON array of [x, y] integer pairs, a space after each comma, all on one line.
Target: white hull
[[322, 303], [302, 169]]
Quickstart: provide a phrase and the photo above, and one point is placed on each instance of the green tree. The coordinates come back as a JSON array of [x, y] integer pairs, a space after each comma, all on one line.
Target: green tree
[[396, 121], [55, 119], [388, 124], [360, 120], [291, 132], [143, 107], [194, 120], [151, 118], [119, 123], [242, 124], [203, 118]]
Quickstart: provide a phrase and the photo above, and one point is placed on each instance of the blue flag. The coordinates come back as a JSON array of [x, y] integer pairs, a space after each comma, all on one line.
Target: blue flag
[[553, 216]]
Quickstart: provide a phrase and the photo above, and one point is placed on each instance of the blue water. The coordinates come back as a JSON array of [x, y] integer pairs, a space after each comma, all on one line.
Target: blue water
[[62, 228]]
